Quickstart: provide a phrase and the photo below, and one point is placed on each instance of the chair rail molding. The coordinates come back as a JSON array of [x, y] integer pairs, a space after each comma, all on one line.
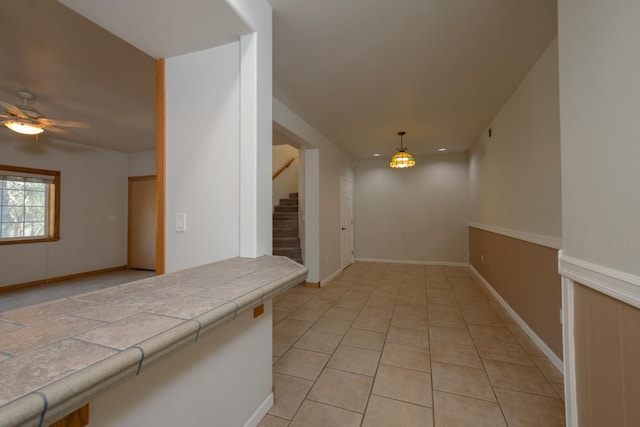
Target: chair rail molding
[[617, 284], [538, 239]]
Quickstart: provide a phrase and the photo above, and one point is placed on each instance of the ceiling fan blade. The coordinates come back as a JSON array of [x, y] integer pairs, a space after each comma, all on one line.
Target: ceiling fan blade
[[61, 131], [65, 123], [12, 109]]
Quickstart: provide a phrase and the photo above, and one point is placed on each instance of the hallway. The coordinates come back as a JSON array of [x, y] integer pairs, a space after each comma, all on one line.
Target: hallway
[[406, 345]]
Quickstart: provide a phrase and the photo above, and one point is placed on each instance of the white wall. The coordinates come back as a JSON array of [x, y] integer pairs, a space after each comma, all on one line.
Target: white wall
[[334, 163], [255, 128], [417, 215], [93, 216], [515, 174], [142, 163], [324, 164], [221, 380], [202, 156], [287, 181], [599, 106]]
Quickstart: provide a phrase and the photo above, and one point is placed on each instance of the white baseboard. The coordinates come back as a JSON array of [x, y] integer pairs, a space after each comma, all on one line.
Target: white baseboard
[[259, 413], [404, 261], [557, 362]]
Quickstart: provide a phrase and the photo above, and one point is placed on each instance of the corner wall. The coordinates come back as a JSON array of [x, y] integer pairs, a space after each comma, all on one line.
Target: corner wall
[[324, 164], [203, 156], [93, 211], [516, 207]]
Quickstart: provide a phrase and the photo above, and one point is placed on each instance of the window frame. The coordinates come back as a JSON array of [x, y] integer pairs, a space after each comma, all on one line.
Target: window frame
[[53, 217]]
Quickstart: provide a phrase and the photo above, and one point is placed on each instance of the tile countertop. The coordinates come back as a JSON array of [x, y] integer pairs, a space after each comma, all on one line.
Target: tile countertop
[[56, 356]]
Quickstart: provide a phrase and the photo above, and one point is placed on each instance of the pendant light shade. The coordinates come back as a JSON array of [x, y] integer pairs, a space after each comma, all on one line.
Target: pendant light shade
[[402, 159]]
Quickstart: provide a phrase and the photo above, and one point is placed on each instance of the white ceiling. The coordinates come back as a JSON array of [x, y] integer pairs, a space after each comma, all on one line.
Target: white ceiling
[[358, 71], [78, 71], [164, 29]]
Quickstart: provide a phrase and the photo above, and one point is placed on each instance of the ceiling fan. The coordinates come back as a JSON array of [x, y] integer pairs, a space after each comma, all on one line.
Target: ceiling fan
[[26, 120]]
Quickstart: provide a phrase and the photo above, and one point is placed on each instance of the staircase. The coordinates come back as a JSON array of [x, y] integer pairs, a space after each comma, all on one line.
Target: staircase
[[286, 240]]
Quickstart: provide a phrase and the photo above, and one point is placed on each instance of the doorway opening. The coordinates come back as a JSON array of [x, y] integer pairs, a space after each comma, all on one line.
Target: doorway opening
[[142, 223]]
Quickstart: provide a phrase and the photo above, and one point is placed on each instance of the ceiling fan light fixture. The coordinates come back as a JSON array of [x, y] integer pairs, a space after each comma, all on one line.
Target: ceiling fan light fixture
[[24, 128], [402, 159]]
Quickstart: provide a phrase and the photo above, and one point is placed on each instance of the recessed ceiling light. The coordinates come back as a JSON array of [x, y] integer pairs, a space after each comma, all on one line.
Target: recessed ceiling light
[[376, 154], [442, 149]]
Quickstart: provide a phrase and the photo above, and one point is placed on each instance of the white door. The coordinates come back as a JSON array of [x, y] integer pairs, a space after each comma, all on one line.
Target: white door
[[142, 222], [346, 222]]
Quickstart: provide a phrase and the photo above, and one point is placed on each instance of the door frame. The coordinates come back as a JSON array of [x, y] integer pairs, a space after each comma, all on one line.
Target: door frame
[[342, 265]]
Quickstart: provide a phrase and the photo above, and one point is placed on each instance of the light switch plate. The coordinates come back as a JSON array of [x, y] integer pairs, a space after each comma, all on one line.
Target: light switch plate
[[181, 222]]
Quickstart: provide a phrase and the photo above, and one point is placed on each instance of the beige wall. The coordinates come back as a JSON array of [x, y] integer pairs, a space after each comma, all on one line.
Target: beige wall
[[419, 214], [607, 360], [334, 164], [515, 174], [526, 277], [287, 181], [93, 211], [515, 186], [599, 104]]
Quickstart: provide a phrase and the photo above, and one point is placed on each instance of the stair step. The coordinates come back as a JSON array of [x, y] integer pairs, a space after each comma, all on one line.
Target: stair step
[[288, 208], [285, 223], [284, 232], [286, 242], [288, 202], [292, 216], [286, 239]]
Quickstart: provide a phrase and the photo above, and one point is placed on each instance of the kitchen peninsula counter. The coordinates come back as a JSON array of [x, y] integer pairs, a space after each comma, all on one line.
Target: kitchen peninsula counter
[[58, 356]]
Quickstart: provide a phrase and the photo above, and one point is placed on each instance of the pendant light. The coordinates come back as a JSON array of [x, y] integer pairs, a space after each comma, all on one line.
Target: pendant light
[[402, 159]]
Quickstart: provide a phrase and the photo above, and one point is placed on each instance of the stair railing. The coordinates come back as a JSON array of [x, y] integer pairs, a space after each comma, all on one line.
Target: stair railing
[[279, 171]]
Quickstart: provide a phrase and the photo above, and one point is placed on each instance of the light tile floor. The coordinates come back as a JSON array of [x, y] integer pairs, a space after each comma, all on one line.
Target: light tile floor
[[406, 345], [390, 345]]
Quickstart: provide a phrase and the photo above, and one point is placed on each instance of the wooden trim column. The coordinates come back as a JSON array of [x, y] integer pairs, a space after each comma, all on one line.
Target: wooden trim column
[[160, 164]]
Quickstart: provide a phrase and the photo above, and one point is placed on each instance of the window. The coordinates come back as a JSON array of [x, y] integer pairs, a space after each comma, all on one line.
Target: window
[[29, 205]]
